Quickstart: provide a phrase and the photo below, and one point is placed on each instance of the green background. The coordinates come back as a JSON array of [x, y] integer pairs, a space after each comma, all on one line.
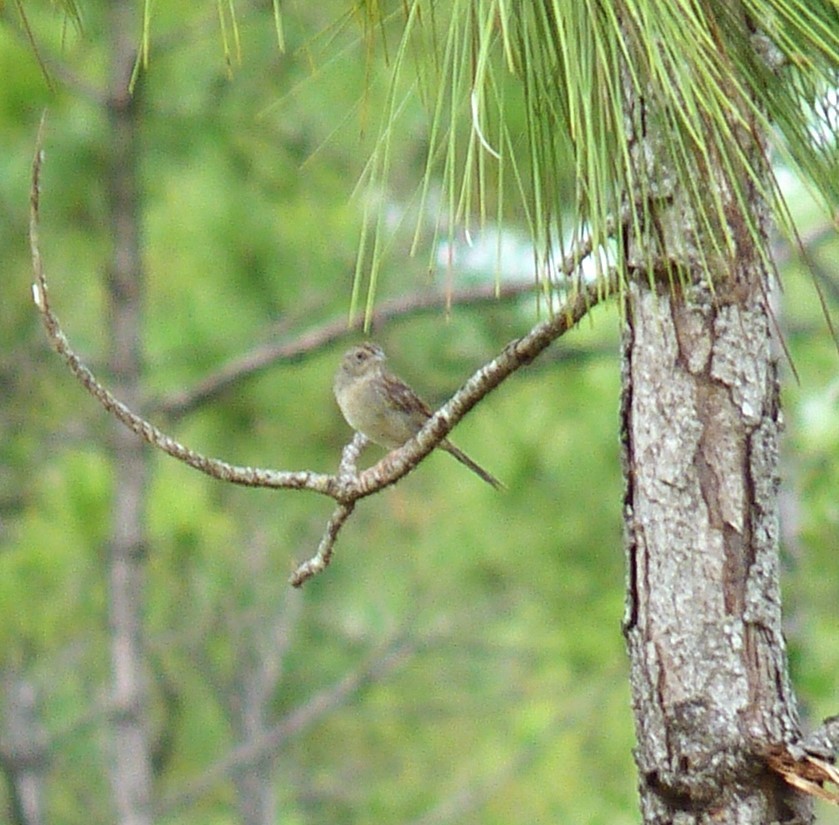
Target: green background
[[483, 628]]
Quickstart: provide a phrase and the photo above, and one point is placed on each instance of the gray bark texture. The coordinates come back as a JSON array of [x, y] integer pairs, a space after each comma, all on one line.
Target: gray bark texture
[[701, 423]]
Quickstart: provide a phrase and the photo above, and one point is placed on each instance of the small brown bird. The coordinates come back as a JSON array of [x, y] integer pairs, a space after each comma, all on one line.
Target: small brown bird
[[384, 408]]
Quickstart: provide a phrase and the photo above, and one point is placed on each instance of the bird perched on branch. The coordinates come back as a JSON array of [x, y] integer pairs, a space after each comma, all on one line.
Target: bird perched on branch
[[384, 408]]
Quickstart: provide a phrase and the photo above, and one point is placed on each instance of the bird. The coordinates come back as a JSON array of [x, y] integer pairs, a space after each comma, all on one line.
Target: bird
[[382, 407]]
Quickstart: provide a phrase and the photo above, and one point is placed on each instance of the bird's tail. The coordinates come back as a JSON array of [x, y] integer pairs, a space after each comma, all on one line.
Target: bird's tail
[[475, 468]]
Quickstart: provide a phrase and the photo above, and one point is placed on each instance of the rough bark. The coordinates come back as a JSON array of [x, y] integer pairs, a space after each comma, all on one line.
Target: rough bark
[[709, 670], [700, 430], [130, 763]]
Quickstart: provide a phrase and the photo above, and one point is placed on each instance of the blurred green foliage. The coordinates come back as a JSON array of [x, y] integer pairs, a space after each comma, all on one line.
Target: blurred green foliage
[[510, 690]]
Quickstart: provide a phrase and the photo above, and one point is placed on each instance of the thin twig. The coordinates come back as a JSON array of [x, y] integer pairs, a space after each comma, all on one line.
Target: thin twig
[[320, 561], [347, 469]]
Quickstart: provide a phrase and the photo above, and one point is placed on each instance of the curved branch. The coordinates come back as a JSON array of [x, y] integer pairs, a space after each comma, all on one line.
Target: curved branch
[[346, 488], [247, 476]]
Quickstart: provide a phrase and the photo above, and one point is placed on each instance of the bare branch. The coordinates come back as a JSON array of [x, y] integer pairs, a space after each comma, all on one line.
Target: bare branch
[[347, 487], [824, 740], [821, 743], [323, 556], [349, 456]]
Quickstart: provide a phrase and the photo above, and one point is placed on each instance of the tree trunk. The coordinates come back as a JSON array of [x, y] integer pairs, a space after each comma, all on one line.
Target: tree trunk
[[261, 647], [130, 761], [700, 429], [703, 625]]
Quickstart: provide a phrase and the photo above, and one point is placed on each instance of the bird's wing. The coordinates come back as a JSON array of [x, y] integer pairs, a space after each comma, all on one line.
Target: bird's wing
[[404, 399]]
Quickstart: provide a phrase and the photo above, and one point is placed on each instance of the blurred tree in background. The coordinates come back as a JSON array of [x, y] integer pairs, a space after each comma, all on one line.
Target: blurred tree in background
[[462, 660]]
